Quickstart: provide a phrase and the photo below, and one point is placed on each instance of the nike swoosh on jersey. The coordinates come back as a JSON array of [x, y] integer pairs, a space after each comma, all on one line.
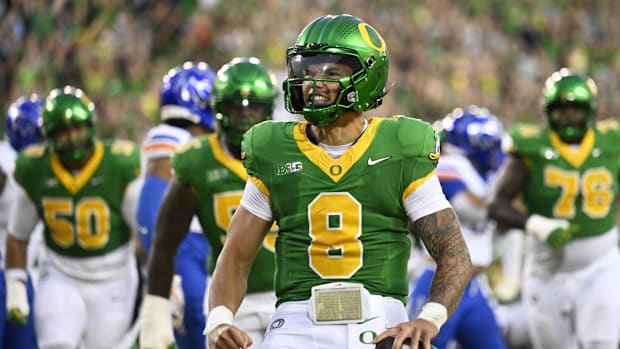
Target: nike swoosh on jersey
[[369, 319], [372, 162]]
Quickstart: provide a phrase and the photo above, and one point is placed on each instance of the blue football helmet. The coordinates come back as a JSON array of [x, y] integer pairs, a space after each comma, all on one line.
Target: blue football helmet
[[185, 95], [23, 121], [477, 134]]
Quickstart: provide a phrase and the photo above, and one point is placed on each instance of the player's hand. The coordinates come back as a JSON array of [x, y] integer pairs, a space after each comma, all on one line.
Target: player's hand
[[389, 342], [419, 330], [177, 299], [555, 232], [17, 306], [227, 336], [156, 323], [507, 290]]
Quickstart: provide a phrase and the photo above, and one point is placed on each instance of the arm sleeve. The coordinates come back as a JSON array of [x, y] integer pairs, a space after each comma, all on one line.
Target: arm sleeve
[[255, 201], [148, 201], [160, 142], [426, 199], [23, 217], [130, 203]]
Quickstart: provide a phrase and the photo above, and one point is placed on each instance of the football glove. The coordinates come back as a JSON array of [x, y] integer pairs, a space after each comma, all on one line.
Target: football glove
[[555, 232], [177, 297], [507, 290], [156, 323], [17, 306]]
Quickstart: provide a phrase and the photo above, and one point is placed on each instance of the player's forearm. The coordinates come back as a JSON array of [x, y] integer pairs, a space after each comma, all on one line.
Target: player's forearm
[[16, 253], [510, 181], [505, 214], [245, 235], [228, 285], [442, 237], [173, 221]]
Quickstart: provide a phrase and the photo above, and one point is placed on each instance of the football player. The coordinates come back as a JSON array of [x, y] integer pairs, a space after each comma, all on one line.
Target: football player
[[185, 111], [342, 189], [567, 174], [208, 181], [23, 128], [471, 140], [79, 186]]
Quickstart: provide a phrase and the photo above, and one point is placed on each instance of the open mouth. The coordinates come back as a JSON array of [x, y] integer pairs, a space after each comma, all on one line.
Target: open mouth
[[318, 100]]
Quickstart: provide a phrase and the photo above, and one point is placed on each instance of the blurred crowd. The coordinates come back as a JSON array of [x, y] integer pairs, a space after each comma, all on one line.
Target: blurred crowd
[[444, 52]]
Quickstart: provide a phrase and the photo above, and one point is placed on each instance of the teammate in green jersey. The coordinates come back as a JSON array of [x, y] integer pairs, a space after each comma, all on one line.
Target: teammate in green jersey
[[342, 189], [208, 181], [567, 174], [79, 186]]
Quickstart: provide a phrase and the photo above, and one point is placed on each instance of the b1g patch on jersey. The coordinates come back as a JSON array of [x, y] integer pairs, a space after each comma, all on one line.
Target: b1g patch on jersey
[[288, 168]]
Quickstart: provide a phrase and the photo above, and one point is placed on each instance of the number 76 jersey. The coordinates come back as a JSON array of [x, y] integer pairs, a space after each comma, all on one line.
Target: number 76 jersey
[[578, 183], [344, 219]]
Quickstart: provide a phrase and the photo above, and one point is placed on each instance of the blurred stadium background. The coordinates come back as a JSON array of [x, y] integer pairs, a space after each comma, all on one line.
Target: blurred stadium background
[[444, 53]]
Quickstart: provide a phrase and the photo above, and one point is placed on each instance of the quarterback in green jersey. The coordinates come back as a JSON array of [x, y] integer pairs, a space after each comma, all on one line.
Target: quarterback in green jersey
[[208, 181], [80, 187], [567, 175], [342, 189]]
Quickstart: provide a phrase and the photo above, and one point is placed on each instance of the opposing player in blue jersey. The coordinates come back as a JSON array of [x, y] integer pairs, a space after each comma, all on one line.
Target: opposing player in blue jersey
[[208, 181], [471, 153], [23, 128], [186, 113]]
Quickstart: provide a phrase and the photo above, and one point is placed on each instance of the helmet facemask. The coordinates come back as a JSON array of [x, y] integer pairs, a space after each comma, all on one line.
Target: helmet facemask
[[237, 116], [569, 104], [74, 143], [244, 94], [69, 125], [340, 40], [317, 91]]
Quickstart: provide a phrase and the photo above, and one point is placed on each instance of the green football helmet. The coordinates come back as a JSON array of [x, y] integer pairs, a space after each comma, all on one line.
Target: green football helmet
[[570, 104], [342, 39], [67, 108], [244, 94]]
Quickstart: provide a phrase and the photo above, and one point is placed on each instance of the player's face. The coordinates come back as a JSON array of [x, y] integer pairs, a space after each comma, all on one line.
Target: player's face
[[243, 114], [319, 93], [567, 116], [73, 138]]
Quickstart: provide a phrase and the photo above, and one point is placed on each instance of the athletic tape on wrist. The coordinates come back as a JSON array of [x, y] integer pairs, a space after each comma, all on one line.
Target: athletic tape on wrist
[[219, 315], [16, 274], [435, 313]]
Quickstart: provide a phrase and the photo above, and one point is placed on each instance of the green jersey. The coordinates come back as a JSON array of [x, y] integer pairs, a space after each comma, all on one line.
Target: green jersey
[[578, 183], [344, 219], [82, 212], [217, 180]]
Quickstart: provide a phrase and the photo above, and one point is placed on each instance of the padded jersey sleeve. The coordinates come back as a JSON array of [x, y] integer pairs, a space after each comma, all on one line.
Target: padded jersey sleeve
[[163, 141], [420, 146], [251, 159], [127, 157], [524, 138], [185, 159], [23, 216]]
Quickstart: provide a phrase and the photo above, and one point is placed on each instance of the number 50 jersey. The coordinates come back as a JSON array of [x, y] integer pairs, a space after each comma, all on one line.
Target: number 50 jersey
[[344, 219], [82, 212]]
